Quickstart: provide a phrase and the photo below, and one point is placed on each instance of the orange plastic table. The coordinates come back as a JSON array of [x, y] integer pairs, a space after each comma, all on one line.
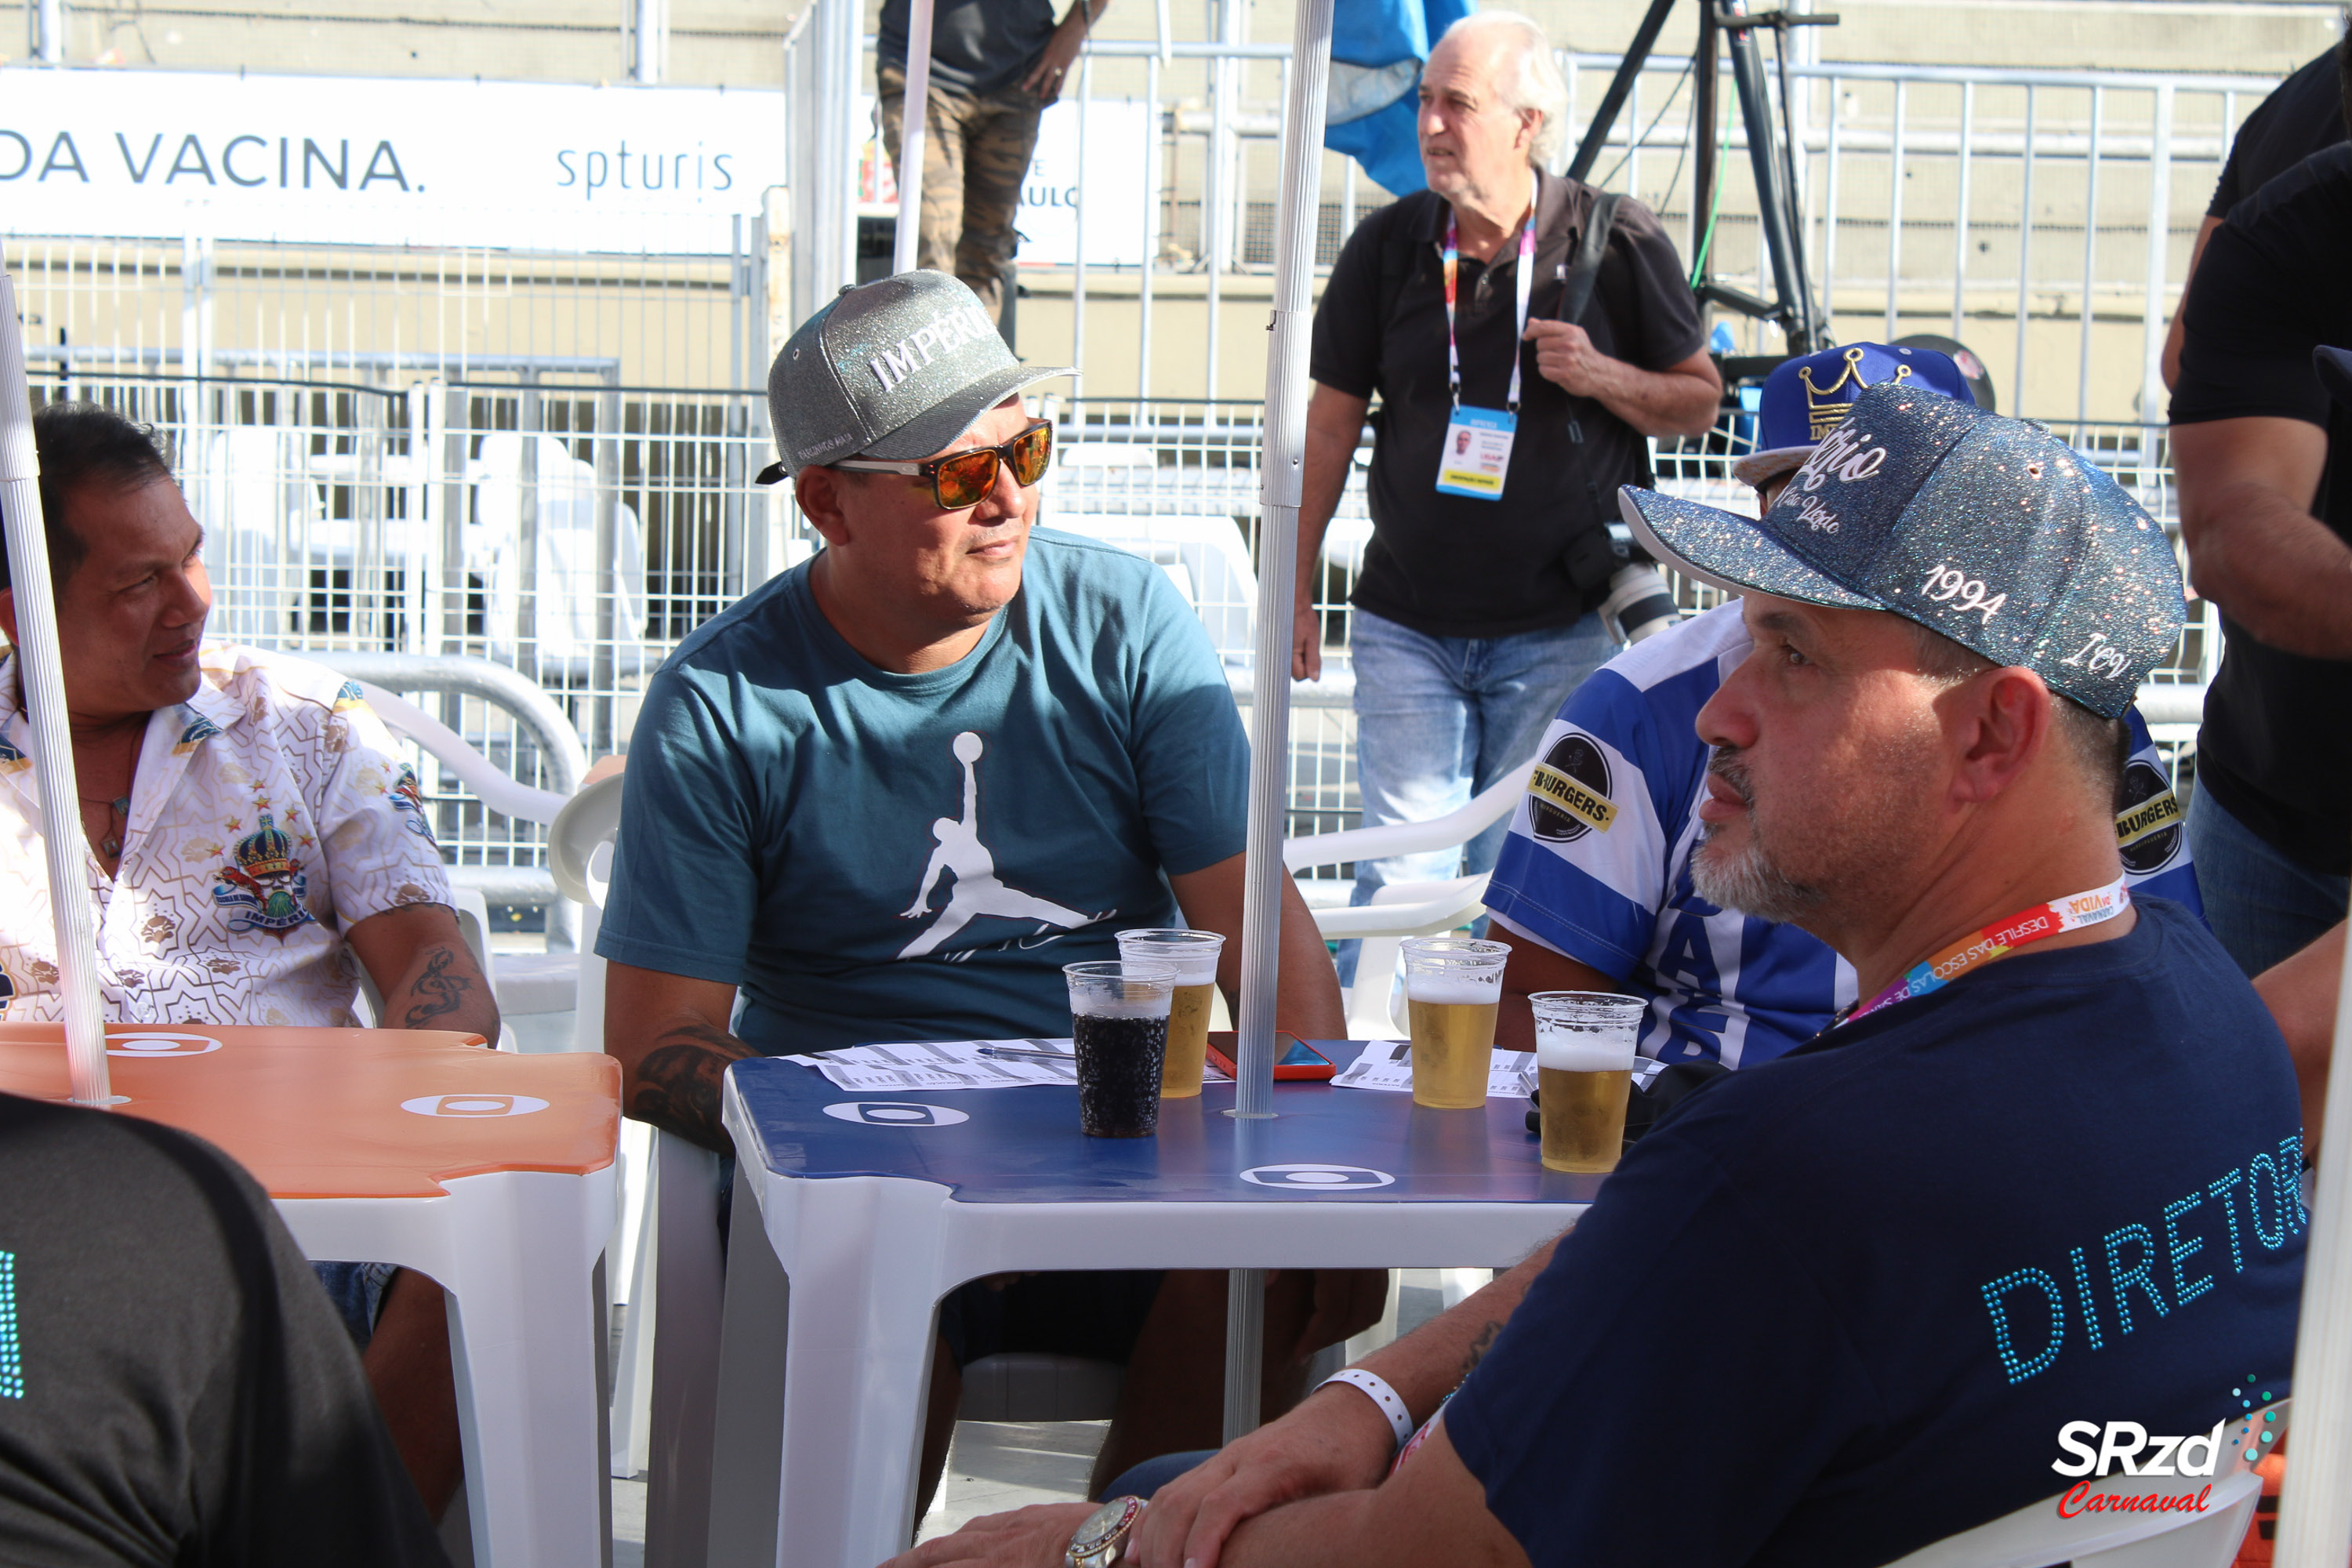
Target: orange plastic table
[[493, 1172]]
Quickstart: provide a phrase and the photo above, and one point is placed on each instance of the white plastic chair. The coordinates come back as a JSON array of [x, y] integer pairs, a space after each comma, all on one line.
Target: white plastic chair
[[580, 857], [1402, 910]]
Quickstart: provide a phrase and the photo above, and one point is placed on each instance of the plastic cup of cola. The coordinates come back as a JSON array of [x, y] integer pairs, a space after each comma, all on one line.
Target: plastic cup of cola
[[1118, 1022], [1193, 954], [1452, 989], [1584, 1073]]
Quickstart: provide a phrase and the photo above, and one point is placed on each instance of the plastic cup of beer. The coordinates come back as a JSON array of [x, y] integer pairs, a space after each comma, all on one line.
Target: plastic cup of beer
[[1118, 1022], [1452, 988], [1584, 1070], [1193, 955]]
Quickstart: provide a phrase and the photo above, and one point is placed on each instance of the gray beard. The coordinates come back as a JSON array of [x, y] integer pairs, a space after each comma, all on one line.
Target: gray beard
[[1748, 881]]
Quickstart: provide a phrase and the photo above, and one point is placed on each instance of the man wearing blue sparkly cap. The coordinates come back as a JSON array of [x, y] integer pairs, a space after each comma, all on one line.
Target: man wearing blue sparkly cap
[[1593, 888], [2045, 1172]]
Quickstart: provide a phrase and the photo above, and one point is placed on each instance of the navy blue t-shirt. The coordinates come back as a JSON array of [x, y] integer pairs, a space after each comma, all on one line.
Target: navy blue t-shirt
[[1840, 1305]]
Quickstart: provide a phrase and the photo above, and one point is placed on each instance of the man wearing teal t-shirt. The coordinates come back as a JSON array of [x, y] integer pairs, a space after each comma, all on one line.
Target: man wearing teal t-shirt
[[888, 796]]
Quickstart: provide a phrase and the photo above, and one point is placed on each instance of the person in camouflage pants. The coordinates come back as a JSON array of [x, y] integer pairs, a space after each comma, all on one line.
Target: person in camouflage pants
[[975, 153]]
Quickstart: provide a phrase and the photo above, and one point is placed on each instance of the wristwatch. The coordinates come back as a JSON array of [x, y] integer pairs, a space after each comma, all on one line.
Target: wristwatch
[[1099, 1540]]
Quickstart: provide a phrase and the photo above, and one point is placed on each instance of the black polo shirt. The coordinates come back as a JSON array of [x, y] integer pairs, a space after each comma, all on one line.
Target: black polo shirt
[[2274, 748], [2302, 115], [1452, 566]]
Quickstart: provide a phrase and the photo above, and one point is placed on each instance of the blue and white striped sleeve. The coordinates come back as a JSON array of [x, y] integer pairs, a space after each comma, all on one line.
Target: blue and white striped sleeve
[[1583, 870]]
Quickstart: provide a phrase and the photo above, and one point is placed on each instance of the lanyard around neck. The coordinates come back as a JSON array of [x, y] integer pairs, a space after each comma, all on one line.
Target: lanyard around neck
[[2002, 939], [1527, 282]]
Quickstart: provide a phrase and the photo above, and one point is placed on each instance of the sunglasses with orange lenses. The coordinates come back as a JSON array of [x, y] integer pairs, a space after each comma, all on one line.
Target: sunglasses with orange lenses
[[963, 479]]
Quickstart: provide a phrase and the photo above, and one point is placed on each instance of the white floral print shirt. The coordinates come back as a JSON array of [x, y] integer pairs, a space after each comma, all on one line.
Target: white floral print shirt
[[269, 814]]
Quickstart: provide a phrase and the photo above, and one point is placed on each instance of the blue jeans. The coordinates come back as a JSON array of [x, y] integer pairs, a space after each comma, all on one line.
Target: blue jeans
[[2263, 906], [1438, 719]]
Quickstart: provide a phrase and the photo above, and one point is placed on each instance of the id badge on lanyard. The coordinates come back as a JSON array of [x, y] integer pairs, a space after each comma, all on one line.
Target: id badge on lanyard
[[1476, 457]]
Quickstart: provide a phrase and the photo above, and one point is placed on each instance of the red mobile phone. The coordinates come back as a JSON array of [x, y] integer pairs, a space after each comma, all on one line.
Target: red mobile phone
[[1298, 1060]]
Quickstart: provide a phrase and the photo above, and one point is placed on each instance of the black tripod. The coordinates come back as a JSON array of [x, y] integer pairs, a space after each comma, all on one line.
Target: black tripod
[[1772, 155]]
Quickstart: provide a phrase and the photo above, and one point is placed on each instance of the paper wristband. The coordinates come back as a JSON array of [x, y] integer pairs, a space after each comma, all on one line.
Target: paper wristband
[[1376, 1388]]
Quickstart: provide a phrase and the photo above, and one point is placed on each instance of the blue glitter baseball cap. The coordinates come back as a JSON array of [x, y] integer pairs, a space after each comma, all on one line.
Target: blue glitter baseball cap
[[1990, 531], [1804, 399]]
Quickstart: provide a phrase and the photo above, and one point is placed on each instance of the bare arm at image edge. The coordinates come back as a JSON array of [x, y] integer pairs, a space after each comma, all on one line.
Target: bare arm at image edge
[[2174, 335], [1334, 422], [2255, 548], [670, 1033], [2301, 993]]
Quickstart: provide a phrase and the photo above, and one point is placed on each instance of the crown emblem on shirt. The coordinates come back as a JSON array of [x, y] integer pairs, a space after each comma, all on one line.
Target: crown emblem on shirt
[[1824, 409], [266, 851]]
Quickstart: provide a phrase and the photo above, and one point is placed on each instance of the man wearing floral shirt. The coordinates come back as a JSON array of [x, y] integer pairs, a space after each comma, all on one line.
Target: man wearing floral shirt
[[252, 841]]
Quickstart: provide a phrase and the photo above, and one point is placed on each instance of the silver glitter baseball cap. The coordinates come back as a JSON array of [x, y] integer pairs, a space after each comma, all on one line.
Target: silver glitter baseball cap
[[894, 369], [1990, 531]]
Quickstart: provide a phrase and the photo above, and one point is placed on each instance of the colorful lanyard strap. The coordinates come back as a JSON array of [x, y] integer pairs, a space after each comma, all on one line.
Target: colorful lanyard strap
[[2002, 939], [1527, 283]]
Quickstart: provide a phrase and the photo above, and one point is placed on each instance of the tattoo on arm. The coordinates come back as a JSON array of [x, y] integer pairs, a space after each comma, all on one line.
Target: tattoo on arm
[[677, 1083], [438, 991], [1480, 1346]]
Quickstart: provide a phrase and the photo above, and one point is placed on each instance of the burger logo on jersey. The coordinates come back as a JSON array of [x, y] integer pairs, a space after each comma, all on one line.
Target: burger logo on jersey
[[2148, 827], [1567, 793]]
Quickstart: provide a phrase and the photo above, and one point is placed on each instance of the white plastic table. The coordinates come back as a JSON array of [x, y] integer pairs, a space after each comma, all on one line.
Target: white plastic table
[[490, 1172], [874, 1208]]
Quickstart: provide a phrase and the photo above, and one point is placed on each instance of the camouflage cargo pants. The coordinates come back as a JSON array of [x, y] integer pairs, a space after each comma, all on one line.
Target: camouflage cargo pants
[[975, 153]]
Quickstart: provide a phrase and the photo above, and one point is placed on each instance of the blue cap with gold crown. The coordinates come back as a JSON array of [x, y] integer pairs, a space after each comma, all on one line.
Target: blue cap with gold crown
[[1805, 399], [266, 851]]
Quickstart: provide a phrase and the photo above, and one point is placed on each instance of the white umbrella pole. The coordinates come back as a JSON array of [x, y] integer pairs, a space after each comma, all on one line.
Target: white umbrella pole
[[914, 116], [45, 711], [1282, 471], [2315, 1513]]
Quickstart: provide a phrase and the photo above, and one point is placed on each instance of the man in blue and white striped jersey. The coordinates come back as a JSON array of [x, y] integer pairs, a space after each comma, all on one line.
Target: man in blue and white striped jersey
[[1593, 889]]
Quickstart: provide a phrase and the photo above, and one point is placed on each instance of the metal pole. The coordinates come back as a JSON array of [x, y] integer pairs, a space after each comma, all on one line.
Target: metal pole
[[1151, 176], [653, 42], [2315, 1513], [1078, 236], [914, 116], [48, 22], [43, 674], [2152, 393], [1281, 473]]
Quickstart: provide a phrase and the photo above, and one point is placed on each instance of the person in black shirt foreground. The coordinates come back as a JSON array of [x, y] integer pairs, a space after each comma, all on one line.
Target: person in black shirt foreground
[[174, 1387], [2263, 464], [2303, 114], [1840, 1305]]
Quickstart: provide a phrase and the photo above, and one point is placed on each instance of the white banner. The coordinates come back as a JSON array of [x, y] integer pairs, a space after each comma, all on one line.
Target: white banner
[[520, 166], [1117, 133]]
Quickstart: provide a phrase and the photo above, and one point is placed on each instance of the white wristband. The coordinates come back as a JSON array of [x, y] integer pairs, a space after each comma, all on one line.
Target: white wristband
[[1376, 1388]]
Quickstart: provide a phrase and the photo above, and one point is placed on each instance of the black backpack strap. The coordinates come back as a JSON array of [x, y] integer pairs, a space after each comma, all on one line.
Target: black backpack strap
[[1577, 293]]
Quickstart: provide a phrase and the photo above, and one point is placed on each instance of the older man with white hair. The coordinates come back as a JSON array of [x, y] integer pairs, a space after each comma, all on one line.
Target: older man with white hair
[[1501, 301]]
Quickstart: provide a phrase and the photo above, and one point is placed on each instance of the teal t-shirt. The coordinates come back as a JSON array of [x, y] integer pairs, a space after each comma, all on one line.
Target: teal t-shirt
[[872, 857]]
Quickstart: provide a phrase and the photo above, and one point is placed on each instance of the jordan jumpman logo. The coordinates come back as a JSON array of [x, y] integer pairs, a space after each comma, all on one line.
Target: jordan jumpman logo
[[976, 890]]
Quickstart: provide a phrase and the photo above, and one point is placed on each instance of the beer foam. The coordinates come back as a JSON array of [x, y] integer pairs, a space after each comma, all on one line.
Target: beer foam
[[1195, 962], [1581, 1050], [1447, 988], [1110, 1007]]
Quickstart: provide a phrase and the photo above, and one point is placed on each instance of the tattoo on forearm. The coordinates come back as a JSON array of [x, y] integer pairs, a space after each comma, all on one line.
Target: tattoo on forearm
[[677, 1083], [1480, 1346], [440, 992]]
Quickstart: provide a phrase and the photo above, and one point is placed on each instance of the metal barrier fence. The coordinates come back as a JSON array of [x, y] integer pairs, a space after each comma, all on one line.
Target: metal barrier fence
[[2042, 216], [577, 532]]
